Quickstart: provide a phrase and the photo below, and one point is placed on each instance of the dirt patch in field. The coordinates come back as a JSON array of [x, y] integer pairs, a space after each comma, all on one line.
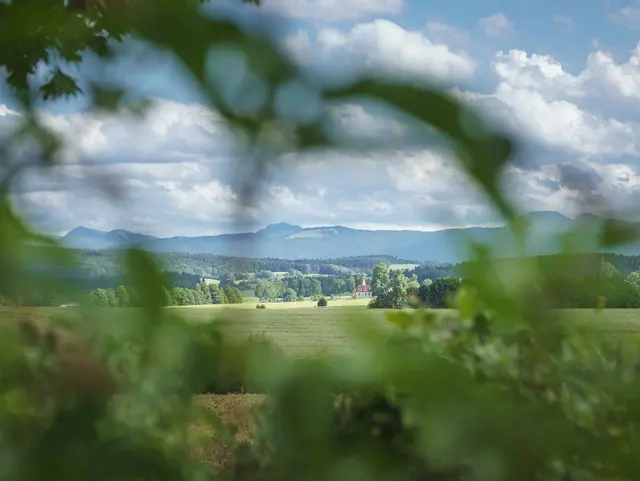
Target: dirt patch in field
[[234, 410]]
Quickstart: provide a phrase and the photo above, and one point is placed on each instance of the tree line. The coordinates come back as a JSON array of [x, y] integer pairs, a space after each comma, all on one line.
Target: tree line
[[595, 285], [297, 286], [202, 294]]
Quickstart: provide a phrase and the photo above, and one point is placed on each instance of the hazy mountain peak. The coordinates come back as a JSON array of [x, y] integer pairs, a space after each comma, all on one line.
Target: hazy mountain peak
[[287, 241], [279, 229], [83, 230]]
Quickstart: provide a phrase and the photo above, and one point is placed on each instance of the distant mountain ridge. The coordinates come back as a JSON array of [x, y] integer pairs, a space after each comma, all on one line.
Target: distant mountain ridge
[[288, 241]]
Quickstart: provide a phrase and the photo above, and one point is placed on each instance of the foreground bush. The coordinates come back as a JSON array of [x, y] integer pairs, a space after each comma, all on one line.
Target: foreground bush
[[502, 391]]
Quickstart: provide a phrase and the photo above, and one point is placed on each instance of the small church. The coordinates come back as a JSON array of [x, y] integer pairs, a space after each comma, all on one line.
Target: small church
[[363, 290]]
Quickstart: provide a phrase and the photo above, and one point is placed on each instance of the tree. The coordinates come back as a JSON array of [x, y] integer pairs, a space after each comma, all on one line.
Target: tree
[[438, 293], [380, 279], [122, 296], [339, 286], [216, 294], [608, 270], [99, 297], [202, 294], [289, 295], [183, 296], [322, 302], [398, 280], [383, 301], [634, 278], [316, 288], [233, 295], [205, 292], [350, 284], [167, 300]]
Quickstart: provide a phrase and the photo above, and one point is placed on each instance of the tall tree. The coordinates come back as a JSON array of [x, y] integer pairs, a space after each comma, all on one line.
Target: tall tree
[[122, 296], [350, 284], [380, 279], [608, 270], [167, 300]]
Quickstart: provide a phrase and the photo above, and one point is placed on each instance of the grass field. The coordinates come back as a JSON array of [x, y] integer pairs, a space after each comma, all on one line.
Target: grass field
[[403, 266], [301, 328], [298, 331], [251, 304]]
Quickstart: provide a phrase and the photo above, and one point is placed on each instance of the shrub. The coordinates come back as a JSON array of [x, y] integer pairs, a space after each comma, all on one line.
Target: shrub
[[382, 301], [260, 306], [322, 302]]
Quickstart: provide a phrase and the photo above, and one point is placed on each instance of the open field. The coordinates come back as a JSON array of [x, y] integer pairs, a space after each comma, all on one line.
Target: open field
[[403, 266], [298, 331], [251, 304], [300, 328]]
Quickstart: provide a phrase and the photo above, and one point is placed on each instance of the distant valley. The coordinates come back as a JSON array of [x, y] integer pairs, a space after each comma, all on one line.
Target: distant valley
[[287, 241]]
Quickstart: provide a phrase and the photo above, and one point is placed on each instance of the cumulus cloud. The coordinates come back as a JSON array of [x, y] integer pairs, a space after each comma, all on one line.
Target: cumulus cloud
[[602, 76], [177, 165], [384, 47]]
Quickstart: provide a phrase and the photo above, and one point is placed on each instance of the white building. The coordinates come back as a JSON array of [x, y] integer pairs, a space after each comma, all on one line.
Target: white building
[[363, 290]]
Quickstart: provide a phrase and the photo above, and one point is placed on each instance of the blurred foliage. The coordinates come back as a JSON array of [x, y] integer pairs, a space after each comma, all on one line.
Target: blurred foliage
[[503, 390]]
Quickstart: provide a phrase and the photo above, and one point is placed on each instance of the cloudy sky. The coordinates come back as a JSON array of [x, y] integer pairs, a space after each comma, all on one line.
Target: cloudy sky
[[564, 79]]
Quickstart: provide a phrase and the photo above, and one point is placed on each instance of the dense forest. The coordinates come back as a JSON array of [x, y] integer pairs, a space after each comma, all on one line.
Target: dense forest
[[106, 263]]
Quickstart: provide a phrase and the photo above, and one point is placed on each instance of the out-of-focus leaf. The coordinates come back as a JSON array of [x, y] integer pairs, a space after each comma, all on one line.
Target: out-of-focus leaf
[[60, 85], [107, 98], [146, 279], [615, 232]]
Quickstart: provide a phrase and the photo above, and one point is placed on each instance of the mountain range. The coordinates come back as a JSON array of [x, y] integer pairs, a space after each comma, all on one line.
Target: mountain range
[[288, 241]]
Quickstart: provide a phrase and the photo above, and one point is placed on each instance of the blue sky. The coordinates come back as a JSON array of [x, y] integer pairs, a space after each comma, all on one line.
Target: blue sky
[[563, 77]]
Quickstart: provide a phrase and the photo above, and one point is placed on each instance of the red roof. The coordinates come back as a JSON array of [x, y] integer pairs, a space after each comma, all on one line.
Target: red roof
[[363, 288]]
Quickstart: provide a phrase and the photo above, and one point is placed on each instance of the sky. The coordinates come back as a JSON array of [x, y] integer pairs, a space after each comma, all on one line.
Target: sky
[[561, 77]]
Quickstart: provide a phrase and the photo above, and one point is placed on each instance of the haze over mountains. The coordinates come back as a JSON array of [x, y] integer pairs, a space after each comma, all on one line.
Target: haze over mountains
[[293, 242]]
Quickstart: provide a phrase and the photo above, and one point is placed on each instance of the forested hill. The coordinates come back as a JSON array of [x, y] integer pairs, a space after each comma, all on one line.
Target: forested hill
[[103, 268], [286, 241], [213, 265]]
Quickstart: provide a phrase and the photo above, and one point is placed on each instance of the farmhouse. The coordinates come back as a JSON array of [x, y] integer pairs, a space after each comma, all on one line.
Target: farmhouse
[[363, 290]]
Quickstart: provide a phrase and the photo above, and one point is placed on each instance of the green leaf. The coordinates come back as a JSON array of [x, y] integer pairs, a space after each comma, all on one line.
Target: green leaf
[[615, 232], [107, 98], [60, 85], [146, 279]]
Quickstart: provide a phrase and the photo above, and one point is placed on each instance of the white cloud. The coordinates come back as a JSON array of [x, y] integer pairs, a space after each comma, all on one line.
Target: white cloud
[[299, 47], [561, 124], [334, 10], [621, 80], [601, 77], [496, 25], [177, 163], [383, 47], [539, 72]]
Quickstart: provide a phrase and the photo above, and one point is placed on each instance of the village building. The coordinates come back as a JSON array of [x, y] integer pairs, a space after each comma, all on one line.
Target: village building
[[363, 290]]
